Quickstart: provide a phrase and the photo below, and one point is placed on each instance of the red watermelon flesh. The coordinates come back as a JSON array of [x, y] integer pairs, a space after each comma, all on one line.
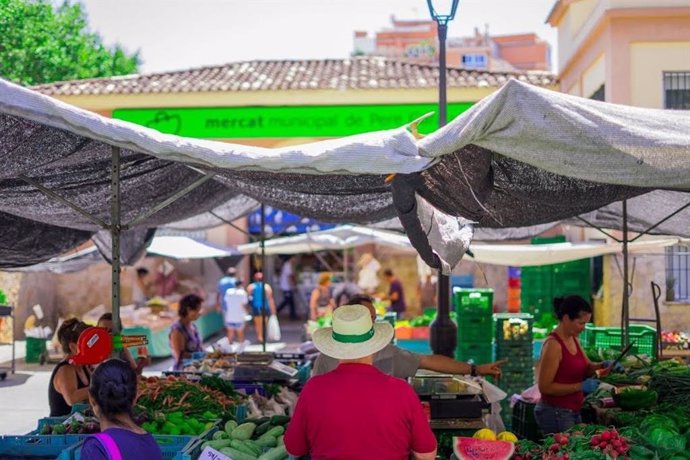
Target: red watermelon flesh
[[476, 449]]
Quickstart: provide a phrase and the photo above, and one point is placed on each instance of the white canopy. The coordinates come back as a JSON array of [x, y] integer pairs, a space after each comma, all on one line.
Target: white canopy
[[515, 255], [339, 238], [521, 255], [182, 247]]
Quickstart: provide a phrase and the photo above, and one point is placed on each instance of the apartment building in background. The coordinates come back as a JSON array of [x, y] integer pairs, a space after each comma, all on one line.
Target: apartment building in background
[[631, 52], [417, 41]]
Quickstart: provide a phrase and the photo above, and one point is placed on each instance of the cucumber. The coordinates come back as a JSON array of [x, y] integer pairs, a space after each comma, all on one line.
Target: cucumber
[[267, 441], [277, 453], [276, 431], [220, 435], [219, 443], [235, 454], [279, 419], [261, 429], [281, 440], [257, 449], [243, 432], [239, 445], [230, 425]]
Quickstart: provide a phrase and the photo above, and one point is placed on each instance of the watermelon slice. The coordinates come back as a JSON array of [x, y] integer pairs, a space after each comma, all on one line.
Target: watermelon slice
[[476, 449]]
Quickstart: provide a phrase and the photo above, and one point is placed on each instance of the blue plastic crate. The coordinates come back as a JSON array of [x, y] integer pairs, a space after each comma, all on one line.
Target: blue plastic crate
[[304, 372], [80, 407], [34, 446]]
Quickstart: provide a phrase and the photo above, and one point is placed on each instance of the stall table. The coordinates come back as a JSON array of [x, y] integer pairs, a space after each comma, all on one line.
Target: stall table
[[208, 324]]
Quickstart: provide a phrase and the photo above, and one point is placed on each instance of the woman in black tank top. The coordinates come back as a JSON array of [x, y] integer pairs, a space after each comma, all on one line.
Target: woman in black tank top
[[69, 384]]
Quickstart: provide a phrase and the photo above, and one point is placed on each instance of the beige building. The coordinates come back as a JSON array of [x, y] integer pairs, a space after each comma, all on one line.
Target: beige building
[[632, 52]]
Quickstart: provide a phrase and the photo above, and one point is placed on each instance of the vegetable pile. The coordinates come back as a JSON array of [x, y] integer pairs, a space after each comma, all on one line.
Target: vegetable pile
[[584, 442], [174, 394], [254, 439]]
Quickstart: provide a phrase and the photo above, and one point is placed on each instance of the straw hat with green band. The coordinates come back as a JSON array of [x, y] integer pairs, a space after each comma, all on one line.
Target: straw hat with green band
[[353, 335]]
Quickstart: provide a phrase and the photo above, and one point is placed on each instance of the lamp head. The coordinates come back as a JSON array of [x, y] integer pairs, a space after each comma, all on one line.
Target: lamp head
[[442, 11]]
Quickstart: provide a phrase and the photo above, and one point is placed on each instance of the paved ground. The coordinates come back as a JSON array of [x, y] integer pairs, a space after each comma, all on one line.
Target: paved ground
[[24, 395]]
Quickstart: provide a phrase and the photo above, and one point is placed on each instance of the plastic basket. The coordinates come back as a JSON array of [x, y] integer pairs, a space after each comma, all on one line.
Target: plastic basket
[[475, 329], [513, 327], [524, 425], [80, 407], [611, 337], [34, 349], [250, 388], [420, 333], [12, 447], [304, 372], [474, 300], [477, 352]]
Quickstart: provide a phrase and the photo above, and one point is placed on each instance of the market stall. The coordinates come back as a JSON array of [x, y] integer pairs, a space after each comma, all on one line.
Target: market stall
[[497, 159]]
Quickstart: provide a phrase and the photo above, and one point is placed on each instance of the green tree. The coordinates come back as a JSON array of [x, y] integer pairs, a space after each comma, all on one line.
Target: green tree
[[42, 44]]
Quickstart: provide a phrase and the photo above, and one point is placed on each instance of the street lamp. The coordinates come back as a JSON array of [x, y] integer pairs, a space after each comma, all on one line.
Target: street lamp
[[443, 329]]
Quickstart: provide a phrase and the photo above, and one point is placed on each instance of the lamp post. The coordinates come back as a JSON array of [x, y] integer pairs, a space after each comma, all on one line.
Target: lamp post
[[443, 329]]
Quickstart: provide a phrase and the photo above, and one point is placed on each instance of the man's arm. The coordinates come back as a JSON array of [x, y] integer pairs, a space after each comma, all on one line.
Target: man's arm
[[446, 365]]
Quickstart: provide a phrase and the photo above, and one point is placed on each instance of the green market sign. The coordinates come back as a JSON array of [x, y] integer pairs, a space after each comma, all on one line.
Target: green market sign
[[287, 121]]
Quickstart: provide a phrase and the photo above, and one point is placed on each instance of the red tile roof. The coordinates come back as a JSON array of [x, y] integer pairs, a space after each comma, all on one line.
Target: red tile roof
[[341, 74]]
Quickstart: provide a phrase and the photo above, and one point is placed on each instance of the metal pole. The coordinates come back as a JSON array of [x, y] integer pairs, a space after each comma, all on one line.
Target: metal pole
[[443, 331], [115, 238], [625, 313], [263, 278]]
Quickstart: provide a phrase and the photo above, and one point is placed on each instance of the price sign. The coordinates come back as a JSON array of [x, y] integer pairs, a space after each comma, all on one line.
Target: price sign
[[212, 454]]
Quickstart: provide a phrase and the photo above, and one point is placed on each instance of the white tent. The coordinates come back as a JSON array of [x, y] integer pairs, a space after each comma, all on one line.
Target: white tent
[[516, 255]]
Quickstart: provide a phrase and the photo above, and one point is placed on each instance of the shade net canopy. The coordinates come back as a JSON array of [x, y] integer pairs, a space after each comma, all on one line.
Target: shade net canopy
[[522, 157]]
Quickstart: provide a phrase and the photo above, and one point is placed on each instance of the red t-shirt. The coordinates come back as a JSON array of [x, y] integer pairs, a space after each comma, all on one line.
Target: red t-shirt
[[358, 412], [572, 369]]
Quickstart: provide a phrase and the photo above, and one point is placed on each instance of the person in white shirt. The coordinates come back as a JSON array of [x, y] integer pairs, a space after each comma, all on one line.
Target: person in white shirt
[[235, 311], [287, 286]]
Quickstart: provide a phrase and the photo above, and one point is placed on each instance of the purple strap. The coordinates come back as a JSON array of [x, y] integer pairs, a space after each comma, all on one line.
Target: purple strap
[[108, 443]]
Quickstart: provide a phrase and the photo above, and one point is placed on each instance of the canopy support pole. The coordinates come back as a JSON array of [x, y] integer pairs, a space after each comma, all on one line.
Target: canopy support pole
[[661, 221], [176, 196], [625, 314], [596, 227], [115, 229], [263, 277], [227, 222], [66, 202]]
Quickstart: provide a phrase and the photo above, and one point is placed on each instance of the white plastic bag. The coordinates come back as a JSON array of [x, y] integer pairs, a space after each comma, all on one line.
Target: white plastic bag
[[273, 329]]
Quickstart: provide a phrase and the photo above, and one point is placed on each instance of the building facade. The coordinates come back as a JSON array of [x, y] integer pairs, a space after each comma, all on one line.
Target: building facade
[[417, 41], [632, 52]]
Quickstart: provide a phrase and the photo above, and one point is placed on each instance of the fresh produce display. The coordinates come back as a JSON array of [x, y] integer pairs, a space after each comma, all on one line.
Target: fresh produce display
[[214, 363], [253, 439], [583, 442], [515, 329], [281, 402], [635, 399], [173, 394], [476, 449], [176, 423], [74, 426], [675, 340]]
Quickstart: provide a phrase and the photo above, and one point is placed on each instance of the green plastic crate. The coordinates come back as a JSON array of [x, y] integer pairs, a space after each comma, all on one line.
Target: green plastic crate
[[477, 352], [34, 349], [514, 349], [475, 329], [611, 337], [473, 300]]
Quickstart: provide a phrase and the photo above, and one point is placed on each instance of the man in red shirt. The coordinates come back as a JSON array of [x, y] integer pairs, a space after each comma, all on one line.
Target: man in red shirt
[[356, 411]]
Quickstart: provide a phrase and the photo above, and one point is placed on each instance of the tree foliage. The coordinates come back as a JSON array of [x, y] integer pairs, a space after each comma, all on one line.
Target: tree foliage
[[42, 44]]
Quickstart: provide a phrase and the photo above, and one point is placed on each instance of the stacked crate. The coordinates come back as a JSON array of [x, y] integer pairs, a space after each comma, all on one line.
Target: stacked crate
[[513, 332], [474, 307]]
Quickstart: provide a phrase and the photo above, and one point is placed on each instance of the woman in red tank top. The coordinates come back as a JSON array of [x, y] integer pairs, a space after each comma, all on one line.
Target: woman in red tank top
[[564, 367]]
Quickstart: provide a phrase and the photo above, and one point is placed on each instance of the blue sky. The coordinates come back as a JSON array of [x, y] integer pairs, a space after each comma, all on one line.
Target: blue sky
[[179, 34]]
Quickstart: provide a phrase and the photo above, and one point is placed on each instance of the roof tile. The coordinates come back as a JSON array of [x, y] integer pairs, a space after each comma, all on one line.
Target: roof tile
[[352, 73]]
